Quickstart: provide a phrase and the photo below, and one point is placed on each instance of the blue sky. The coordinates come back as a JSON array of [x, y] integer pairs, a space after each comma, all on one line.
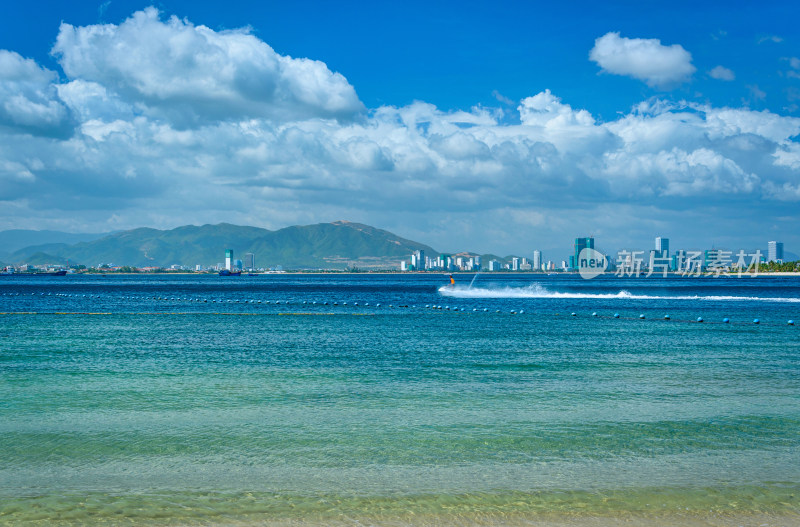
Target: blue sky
[[456, 55], [495, 128]]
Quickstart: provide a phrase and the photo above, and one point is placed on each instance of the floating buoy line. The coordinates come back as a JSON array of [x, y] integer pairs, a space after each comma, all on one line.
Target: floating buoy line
[[341, 307]]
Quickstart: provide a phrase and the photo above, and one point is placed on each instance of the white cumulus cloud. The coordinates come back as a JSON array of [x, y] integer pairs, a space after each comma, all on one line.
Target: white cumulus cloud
[[644, 59], [192, 74], [161, 136], [545, 109], [29, 101]]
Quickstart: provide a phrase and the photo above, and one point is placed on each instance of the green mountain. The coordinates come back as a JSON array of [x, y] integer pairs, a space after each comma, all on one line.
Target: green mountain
[[16, 239], [337, 245], [43, 258]]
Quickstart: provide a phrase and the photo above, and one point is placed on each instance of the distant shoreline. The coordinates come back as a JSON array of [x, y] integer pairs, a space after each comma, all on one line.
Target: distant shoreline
[[433, 273]]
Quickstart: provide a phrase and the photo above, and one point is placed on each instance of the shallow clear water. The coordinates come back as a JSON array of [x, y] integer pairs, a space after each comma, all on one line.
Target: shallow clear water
[[297, 398]]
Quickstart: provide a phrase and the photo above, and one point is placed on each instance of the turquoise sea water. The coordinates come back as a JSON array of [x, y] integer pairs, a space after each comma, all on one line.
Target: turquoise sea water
[[390, 400]]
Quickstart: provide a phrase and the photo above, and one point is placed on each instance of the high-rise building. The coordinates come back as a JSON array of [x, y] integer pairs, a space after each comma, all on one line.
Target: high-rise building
[[515, 264], [249, 261], [580, 244], [679, 260], [420, 260], [228, 259], [537, 260], [775, 252], [712, 258], [662, 247]]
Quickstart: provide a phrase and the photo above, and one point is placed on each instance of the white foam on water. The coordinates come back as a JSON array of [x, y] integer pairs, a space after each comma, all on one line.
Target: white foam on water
[[537, 291]]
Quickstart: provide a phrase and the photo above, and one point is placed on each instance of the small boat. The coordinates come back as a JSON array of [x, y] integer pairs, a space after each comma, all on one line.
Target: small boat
[[227, 272]]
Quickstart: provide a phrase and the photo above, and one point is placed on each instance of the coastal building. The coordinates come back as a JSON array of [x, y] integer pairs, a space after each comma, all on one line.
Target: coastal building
[[228, 259], [476, 264], [662, 247], [515, 264], [494, 265], [658, 262], [775, 252], [580, 244], [249, 261], [691, 262], [420, 260], [679, 260], [716, 259], [403, 266], [537, 260]]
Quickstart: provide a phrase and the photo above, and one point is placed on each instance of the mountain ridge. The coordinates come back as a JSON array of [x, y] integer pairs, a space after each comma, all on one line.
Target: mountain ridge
[[13, 240], [335, 245]]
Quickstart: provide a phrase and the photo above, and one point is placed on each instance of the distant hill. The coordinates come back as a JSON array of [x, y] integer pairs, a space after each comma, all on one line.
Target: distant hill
[[336, 245], [43, 258], [16, 239]]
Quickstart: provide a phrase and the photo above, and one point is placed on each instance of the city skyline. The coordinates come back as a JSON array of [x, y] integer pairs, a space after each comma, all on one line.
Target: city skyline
[[471, 261], [627, 120], [658, 257], [521, 259]]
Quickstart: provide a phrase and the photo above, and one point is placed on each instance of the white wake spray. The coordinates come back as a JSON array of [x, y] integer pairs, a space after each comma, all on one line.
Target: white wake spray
[[537, 291]]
